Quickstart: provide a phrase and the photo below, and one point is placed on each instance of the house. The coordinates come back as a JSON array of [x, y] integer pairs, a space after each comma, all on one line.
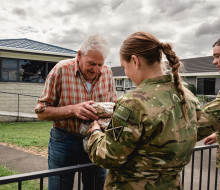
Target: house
[[25, 60], [199, 72], [24, 65]]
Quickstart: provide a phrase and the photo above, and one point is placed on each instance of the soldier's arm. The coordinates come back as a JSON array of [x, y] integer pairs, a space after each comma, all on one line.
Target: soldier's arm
[[209, 119], [112, 148]]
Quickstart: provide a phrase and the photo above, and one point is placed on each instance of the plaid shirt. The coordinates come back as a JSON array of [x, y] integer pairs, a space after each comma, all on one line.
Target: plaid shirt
[[65, 85]]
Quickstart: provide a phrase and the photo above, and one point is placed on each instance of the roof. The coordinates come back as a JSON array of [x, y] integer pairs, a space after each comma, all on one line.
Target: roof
[[118, 71], [191, 65], [27, 45], [199, 65]]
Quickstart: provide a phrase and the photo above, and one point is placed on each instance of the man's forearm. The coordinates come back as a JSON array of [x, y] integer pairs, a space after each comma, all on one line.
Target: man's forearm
[[56, 113]]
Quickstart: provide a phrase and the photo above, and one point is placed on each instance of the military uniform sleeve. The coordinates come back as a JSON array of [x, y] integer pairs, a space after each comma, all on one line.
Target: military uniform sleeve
[[209, 121], [112, 148]]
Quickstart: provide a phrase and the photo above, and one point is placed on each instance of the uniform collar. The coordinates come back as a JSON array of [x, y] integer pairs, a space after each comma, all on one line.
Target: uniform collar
[[160, 79]]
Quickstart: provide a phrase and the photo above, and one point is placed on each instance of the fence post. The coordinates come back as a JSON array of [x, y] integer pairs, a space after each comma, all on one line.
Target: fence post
[[18, 107]]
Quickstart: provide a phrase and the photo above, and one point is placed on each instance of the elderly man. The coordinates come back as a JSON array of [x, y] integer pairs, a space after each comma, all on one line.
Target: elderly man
[[72, 86], [214, 107]]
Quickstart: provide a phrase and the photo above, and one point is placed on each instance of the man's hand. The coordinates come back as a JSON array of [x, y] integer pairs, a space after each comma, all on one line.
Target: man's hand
[[210, 139], [85, 111], [94, 126]]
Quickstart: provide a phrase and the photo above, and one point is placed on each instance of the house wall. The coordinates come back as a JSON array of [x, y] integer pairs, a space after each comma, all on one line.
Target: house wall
[[9, 102], [190, 80], [31, 56]]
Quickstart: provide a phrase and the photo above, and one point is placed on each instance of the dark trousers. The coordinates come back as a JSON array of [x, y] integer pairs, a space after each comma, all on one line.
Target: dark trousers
[[66, 150]]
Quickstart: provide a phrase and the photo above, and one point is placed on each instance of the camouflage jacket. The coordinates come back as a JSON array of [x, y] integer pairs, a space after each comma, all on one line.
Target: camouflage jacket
[[148, 141], [213, 108]]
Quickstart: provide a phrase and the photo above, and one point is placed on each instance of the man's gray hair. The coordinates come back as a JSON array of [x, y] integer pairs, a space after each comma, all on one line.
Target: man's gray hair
[[95, 42]]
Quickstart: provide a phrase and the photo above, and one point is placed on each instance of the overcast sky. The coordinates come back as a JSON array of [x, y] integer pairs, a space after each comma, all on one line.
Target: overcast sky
[[192, 26]]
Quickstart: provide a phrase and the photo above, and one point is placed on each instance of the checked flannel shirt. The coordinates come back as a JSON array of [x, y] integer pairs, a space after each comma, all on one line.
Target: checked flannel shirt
[[65, 85]]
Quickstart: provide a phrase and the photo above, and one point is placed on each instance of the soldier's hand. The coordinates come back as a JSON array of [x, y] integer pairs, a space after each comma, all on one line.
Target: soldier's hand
[[94, 126], [210, 139], [85, 111]]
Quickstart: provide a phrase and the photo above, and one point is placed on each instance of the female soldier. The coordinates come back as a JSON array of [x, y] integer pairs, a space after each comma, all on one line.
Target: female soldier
[[153, 129]]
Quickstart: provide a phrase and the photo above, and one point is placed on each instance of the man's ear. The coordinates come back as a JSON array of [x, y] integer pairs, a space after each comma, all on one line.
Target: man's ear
[[135, 61], [79, 54]]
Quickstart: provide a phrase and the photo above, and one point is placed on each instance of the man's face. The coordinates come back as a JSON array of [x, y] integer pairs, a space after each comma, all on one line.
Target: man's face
[[91, 64], [216, 55]]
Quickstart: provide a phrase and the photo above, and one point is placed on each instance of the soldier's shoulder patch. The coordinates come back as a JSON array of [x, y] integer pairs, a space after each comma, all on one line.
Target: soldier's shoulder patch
[[122, 112], [114, 130]]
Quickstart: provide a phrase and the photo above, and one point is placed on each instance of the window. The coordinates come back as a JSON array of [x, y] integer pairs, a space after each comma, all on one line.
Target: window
[[9, 70], [126, 84], [206, 86], [32, 71], [132, 84], [119, 82], [25, 70]]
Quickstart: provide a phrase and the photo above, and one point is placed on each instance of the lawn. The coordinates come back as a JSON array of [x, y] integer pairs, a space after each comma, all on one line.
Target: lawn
[[26, 185], [26, 134]]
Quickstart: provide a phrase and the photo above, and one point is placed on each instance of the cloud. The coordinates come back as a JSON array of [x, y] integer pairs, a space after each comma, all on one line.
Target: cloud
[[190, 25], [70, 38], [208, 28], [19, 12]]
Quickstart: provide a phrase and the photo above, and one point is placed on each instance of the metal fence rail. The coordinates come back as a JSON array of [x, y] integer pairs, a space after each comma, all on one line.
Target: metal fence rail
[[191, 168], [199, 177], [44, 174]]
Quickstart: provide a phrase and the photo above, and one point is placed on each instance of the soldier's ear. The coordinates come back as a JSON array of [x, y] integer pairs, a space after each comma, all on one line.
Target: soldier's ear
[[135, 61]]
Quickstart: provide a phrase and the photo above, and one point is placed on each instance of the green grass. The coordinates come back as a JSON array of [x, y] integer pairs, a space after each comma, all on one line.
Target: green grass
[[26, 185], [26, 134]]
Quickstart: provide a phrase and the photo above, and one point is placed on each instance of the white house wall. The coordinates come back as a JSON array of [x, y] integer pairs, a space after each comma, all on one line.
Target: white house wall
[[9, 102]]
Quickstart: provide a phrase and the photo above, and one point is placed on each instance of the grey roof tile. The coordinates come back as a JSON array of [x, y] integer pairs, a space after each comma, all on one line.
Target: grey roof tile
[[24, 43], [199, 65]]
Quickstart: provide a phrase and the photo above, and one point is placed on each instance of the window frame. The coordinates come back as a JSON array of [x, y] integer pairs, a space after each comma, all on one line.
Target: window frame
[[19, 63], [126, 80], [203, 90], [116, 83]]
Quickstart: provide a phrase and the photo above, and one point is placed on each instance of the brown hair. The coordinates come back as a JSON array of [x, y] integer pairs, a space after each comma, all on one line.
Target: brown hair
[[217, 43], [150, 48]]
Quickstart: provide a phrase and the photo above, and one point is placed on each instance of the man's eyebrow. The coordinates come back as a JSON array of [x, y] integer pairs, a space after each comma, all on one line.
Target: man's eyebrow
[[216, 54], [91, 62]]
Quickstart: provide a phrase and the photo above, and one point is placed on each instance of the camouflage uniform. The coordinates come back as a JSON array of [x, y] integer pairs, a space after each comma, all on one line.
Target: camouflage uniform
[[213, 108], [147, 142]]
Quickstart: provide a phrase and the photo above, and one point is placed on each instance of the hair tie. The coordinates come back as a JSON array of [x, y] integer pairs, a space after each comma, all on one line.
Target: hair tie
[[160, 46]]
